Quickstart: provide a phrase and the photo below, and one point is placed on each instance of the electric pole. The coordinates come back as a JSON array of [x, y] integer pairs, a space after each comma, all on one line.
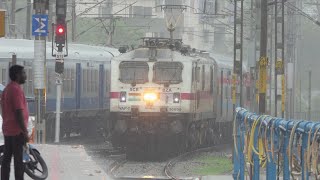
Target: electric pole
[[13, 20], [238, 51], [74, 20], [39, 67], [257, 53], [309, 97], [51, 19], [291, 55], [279, 51], [28, 20], [263, 62]]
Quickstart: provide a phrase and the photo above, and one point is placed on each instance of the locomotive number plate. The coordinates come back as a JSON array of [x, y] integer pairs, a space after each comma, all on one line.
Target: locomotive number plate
[[167, 90], [174, 109], [124, 108]]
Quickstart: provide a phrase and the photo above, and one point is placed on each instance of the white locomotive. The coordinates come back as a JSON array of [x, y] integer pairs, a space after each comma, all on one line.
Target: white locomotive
[[165, 97]]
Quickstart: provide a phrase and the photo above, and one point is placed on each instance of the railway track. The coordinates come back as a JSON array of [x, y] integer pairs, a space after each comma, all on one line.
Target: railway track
[[167, 167]]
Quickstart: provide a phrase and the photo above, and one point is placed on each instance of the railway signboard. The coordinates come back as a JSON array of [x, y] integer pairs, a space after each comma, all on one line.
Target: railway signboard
[[39, 25], [234, 89], [263, 63]]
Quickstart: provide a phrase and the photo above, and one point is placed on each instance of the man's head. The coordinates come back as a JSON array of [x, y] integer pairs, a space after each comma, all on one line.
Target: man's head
[[17, 74]]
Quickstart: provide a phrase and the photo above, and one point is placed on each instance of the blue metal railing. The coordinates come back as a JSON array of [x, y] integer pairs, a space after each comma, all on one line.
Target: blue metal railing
[[285, 148]]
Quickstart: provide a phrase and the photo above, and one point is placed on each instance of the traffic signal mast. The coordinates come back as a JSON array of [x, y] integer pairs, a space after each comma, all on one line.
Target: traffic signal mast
[[60, 39]]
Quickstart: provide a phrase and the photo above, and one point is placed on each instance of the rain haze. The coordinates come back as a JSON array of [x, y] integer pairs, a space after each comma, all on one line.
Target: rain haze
[[162, 89]]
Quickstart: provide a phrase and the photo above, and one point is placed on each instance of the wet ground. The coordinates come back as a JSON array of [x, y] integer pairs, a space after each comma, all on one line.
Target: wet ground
[[104, 155]]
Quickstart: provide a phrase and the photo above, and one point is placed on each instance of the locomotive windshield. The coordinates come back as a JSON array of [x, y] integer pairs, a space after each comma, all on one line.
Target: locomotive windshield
[[168, 72], [134, 72]]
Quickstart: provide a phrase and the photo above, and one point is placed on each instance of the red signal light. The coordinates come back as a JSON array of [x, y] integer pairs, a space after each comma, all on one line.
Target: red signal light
[[60, 30]]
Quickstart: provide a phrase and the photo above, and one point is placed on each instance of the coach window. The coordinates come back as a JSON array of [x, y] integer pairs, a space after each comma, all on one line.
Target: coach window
[[198, 74], [89, 81], [30, 84], [65, 82], [49, 80], [96, 80], [211, 80], [107, 81], [87, 84], [203, 76], [92, 80], [72, 80], [84, 77]]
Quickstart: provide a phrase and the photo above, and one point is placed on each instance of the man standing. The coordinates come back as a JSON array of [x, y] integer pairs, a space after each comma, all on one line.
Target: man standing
[[15, 119]]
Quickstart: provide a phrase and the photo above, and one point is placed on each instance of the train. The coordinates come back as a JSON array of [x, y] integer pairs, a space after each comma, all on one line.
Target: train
[[85, 93], [167, 97]]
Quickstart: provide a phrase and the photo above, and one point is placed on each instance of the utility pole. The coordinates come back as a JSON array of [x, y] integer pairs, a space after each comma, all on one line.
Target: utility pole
[[51, 19], [270, 55], [279, 50], [257, 52], [28, 20], [13, 20], [263, 62], [39, 66], [238, 51], [291, 55], [74, 21], [309, 101]]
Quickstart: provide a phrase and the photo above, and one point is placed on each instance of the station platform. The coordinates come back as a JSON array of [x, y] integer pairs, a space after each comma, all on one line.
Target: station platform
[[67, 162]]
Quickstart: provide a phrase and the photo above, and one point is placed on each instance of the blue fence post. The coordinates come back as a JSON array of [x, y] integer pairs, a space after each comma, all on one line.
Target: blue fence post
[[282, 131], [241, 147], [286, 133], [256, 160], [303, 152], [271, 166], [236, 158]]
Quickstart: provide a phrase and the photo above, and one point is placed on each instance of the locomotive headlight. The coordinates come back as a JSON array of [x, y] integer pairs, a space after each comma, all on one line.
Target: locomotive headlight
[[176, 97], [123, 96], [150, 96]]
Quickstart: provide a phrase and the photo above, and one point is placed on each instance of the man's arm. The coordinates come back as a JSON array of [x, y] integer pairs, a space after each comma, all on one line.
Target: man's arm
[[20, 120]]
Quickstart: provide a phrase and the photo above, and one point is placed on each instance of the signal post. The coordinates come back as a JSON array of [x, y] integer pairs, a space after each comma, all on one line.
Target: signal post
[[60, 39], [40, 31]]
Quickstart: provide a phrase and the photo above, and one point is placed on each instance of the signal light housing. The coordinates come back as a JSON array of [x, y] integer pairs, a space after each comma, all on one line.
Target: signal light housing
[[60, 35]]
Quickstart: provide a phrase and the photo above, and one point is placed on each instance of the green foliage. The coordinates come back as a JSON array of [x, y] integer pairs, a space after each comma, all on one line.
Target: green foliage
[[212, 165]]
